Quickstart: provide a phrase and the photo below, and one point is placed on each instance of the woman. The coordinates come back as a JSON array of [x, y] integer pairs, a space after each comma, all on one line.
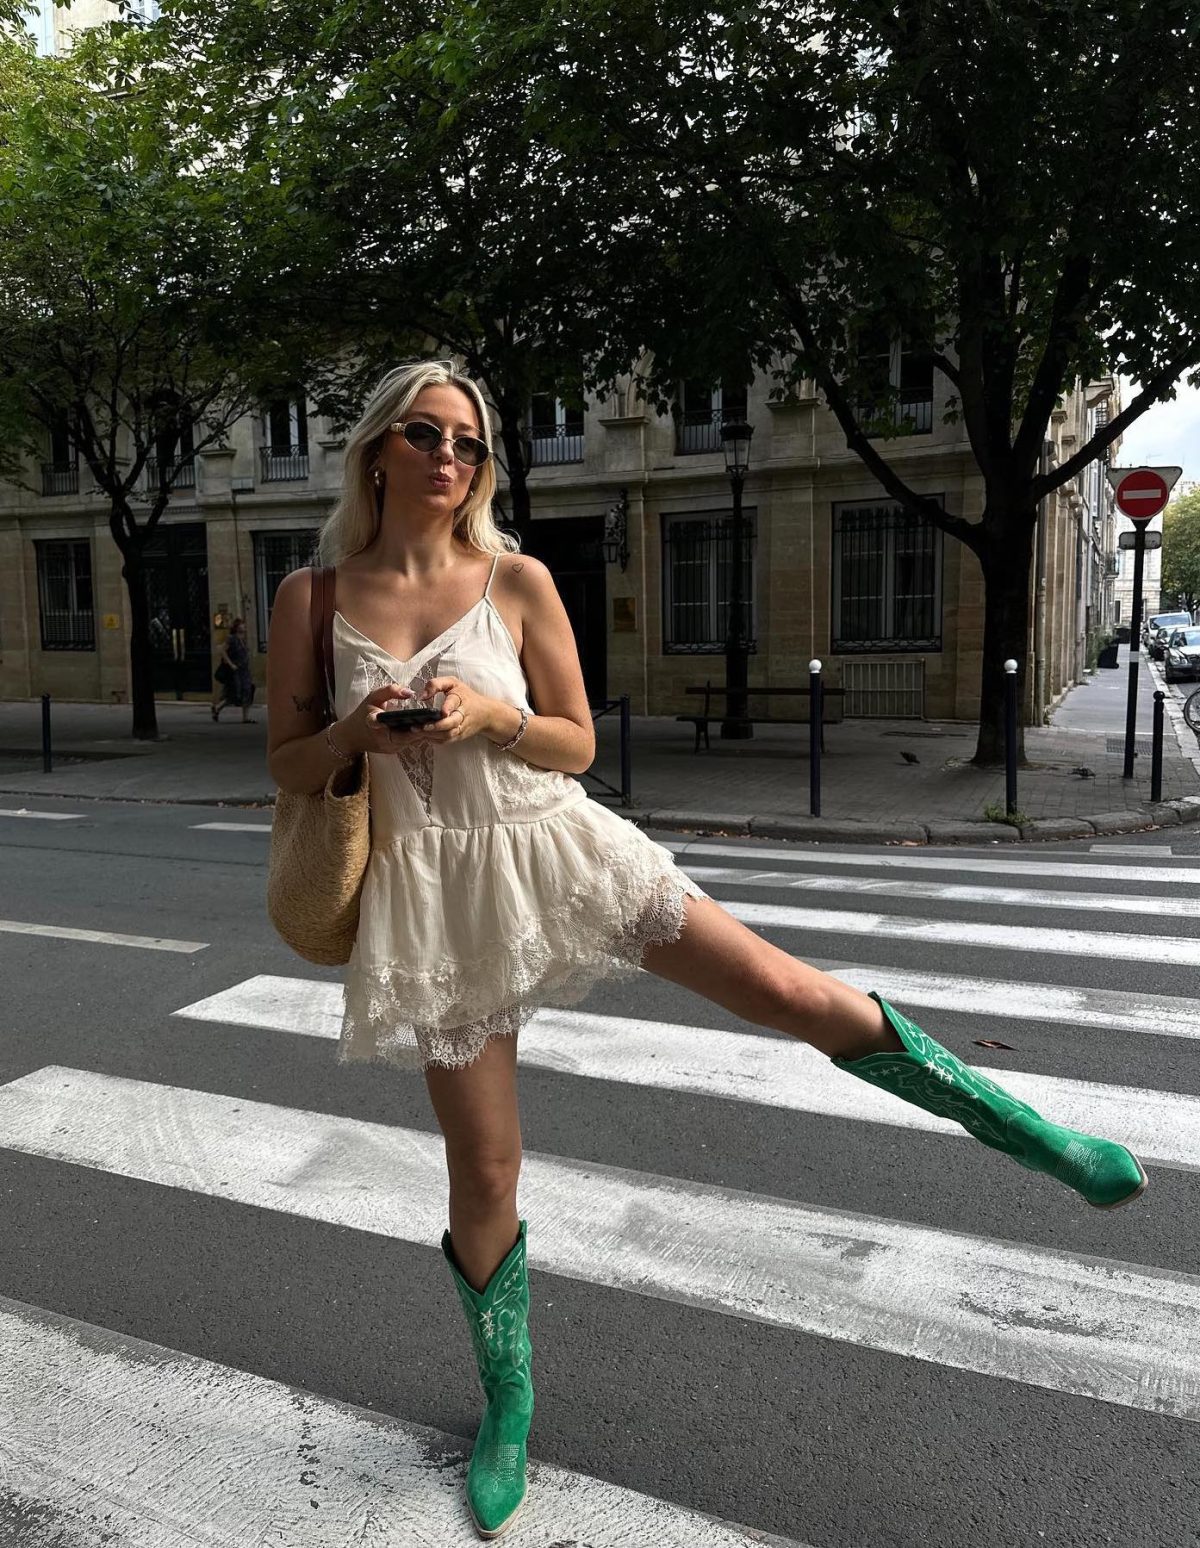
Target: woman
[[495, 885], [233, 673]]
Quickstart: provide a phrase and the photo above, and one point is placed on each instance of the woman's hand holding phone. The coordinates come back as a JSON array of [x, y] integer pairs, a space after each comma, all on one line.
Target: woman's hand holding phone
[[361, 732]]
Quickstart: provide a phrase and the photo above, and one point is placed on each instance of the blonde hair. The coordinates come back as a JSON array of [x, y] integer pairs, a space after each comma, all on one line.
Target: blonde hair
[[354, 521]]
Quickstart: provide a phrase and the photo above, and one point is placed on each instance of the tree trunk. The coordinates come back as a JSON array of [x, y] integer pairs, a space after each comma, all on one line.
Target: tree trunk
[[1005, 560], [141, 668], [515, 454]]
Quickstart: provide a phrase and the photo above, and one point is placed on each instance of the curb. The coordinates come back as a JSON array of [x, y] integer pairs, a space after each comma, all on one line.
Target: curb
[[838, 830], [842, 830]]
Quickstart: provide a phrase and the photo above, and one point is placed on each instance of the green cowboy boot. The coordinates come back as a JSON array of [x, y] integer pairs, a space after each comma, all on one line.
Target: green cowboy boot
[[498, 1319], [928, 1075]]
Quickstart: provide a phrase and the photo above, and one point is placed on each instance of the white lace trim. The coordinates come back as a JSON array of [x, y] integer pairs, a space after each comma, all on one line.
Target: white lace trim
[[556, 961], [415, 758]]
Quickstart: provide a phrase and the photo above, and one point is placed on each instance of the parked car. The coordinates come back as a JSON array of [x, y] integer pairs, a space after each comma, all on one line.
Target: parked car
[[1158, 627], [1182, 655]]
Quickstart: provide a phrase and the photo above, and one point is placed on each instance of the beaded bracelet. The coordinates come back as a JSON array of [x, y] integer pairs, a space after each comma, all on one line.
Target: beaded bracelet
[[520, 732], [334, 748]]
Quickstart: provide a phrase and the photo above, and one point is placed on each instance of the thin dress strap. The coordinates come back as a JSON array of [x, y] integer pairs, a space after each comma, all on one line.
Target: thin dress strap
[[491, 577]]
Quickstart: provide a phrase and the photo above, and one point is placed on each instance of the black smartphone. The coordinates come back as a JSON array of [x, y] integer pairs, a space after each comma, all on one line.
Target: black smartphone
[[419, 715]]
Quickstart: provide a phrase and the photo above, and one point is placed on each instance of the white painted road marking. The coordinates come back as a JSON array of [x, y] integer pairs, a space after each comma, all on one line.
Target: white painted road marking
[[99, 937], [110, 1439], [23, 811], [949, 892], [233, 827], [1161, 1126], [968, 863], [1132, 849], [314, 1007], [1088, 1326], [1112, 945]]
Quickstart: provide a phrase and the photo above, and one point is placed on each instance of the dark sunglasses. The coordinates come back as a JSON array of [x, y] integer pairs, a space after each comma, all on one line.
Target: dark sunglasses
[[424, 437]]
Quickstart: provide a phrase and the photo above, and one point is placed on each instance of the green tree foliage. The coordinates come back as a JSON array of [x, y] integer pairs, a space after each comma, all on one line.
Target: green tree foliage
[[1181, 551], [446, 224], [134, 291], [1017, 185]]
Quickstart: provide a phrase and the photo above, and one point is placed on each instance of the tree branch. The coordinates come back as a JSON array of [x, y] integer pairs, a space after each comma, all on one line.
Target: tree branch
[[1107, 434]]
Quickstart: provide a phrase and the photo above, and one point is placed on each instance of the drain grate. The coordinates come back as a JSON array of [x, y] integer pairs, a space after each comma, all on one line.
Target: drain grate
[[1143, 746]]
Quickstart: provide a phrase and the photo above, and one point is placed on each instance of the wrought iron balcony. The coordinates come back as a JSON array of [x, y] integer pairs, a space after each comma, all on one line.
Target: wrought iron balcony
[[698, 431], [283, 462], [552, 444], [917, 409], [180, 475], [60, 478]]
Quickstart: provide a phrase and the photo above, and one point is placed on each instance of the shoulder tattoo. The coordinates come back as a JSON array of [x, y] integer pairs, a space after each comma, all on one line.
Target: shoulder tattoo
[[304, 705]]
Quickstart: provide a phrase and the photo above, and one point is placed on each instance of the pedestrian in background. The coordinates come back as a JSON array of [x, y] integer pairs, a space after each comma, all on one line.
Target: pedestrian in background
[[233, 673]]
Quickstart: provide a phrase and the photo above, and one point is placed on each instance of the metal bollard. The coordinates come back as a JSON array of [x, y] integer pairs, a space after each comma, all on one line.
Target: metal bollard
[[46, 758], [1010, 736], [1156, 746], [626, 755], [816, 696]]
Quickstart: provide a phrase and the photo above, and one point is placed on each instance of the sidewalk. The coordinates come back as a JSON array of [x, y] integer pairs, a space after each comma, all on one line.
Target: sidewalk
[[870, 791]]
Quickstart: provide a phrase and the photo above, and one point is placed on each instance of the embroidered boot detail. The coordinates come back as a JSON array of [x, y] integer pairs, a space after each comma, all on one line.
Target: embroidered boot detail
[[931, 1077], [498, 1320]]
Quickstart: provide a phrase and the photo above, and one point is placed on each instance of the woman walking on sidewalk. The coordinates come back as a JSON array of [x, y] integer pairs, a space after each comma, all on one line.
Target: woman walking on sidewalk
[[495, 885], [233, 674]]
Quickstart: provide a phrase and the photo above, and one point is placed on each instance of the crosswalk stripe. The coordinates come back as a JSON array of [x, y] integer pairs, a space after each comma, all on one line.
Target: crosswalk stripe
[[949, 892], [1114, 1010], [99, 937], [1064, 1321], [1131, 849], [1161, 1126], [111, 1439], [282, 1004], [1113, 945], [232, 827], [967, 863], [22, 811]]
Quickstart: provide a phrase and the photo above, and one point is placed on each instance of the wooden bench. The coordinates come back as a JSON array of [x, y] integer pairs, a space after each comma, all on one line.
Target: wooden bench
[[832, 709]]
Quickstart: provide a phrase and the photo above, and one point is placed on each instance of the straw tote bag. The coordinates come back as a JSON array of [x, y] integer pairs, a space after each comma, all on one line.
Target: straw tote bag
[[320, 843]]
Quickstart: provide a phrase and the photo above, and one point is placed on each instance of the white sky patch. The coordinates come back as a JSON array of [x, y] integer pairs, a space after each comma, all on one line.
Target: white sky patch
[[1167, 435]]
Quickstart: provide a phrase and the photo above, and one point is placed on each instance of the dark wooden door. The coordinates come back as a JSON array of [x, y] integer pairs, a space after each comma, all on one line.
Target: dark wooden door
[[176, 561], [570, 548]]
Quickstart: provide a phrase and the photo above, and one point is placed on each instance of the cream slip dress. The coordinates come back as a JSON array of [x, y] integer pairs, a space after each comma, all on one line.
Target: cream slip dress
[[493, 887]]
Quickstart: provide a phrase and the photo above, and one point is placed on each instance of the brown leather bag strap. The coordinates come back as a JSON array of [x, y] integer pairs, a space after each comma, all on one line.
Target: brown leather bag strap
[[321, 623]]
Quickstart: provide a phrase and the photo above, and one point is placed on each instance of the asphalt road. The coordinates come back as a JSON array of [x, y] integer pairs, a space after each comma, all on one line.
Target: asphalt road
[[796, 1408]]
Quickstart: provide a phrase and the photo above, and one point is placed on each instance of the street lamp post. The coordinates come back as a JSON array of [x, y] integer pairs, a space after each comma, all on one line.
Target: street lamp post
[[735, 442]]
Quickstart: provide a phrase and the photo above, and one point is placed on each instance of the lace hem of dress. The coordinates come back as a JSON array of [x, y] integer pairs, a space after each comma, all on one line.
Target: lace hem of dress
[[539, 971]]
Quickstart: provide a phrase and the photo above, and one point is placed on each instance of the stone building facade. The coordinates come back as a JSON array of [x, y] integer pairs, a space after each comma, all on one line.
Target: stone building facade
[[892, 608]]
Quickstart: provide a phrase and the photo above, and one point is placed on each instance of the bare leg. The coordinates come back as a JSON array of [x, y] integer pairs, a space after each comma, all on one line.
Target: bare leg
[[718, 957], [477, 1112]]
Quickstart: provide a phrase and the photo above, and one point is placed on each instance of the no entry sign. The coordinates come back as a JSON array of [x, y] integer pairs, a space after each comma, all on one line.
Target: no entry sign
[[1141, 493]]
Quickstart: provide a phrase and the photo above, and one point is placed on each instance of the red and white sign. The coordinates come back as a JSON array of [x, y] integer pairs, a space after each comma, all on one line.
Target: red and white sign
[[1141, 493]]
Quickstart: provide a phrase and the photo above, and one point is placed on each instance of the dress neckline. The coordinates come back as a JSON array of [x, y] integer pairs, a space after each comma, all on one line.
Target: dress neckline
[[425, 649]]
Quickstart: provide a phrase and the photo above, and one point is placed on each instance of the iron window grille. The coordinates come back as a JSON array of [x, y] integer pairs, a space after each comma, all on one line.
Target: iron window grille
[[65, 608], [887, 580], [277, 554], [702, 411], [284, 452], [181, 475], [555, 430], [59, 478], [60, 471], [697, 555], [897, 390]]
